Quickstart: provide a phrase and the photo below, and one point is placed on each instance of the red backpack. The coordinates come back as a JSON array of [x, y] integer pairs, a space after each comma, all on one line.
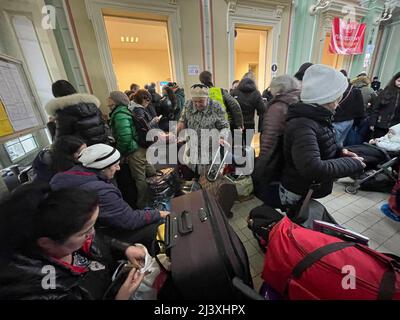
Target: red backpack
[[302, 264]]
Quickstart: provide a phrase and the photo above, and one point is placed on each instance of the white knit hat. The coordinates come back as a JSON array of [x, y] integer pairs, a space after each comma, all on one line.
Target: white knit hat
[[99, 156], [322, 84]]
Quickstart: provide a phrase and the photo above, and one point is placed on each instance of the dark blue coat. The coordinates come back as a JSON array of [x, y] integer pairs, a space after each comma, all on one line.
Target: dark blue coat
[[114, 211]]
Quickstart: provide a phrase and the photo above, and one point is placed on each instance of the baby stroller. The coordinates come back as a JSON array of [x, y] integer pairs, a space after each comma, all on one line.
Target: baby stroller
[[381, 172]]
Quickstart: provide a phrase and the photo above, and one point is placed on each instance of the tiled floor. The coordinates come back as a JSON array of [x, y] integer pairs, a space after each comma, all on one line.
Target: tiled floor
[[359, 212]]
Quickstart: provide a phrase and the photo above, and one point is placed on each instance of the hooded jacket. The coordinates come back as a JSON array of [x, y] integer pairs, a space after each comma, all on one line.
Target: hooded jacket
[[78, 115], [42, 166], [274, 120], [367, 92], [250, 100], [114, 211], [311, 153], [351, 106]]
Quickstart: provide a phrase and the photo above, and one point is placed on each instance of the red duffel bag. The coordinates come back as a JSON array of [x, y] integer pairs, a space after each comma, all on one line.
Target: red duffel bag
[[303, 264]]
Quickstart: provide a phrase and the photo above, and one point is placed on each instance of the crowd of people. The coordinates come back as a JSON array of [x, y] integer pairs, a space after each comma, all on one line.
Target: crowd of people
[[306, 121]]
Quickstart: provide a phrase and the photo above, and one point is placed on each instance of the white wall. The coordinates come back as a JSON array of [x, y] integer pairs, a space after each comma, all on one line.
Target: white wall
[[242, 63], [140, 67]]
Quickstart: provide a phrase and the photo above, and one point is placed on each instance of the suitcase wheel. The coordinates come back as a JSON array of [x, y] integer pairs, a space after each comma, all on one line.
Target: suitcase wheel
[[351, 190]]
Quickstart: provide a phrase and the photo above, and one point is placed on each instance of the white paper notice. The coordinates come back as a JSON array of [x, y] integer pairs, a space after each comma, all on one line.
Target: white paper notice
[[193, 70], [15, 97]]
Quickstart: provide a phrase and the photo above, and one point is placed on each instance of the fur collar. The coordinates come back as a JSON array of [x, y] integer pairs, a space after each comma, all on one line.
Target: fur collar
[[60, 103]]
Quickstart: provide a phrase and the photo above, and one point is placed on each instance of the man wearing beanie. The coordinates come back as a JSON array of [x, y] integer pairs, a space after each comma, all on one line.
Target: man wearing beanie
[[99, 164], [202, 113], [312, 156]]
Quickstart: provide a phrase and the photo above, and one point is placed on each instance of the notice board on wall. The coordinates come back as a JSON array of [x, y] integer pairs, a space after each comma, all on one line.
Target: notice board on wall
[[18, 109]]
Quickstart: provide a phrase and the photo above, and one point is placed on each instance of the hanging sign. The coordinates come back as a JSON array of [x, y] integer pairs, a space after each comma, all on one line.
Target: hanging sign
[[347, 38]]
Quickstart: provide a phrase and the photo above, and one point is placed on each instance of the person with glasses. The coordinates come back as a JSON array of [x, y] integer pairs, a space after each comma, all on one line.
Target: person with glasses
[[201, 113]]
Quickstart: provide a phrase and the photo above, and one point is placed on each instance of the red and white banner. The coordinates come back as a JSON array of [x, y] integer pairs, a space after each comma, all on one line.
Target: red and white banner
[[347, 37]]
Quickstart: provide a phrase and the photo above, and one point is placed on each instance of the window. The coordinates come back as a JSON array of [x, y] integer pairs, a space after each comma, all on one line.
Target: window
[[19, 147], [34, 57]]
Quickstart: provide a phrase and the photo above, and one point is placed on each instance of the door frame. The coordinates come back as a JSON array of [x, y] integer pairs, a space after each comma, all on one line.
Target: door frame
[[95, 12], [272, 42]]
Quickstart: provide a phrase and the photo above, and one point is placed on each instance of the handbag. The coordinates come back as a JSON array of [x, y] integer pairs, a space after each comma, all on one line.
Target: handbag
[[310, 210]]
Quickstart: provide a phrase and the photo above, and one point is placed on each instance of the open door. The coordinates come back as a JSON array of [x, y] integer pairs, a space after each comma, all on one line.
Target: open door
[[140, 51], [251, 53]]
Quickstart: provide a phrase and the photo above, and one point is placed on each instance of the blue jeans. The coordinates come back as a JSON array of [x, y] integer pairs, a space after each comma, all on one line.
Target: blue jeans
[[341, 130]]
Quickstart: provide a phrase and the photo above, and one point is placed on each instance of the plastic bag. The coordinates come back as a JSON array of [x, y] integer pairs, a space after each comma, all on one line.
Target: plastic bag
[[154, 280]]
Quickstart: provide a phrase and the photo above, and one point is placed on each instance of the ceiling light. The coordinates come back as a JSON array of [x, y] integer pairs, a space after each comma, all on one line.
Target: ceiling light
[[130, 39]]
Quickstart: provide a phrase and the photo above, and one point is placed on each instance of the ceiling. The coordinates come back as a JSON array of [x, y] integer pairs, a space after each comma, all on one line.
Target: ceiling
[[152, 34], [247, 41]]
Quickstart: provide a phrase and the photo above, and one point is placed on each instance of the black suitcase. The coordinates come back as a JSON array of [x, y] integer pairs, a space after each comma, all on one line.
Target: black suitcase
[[207, 257]]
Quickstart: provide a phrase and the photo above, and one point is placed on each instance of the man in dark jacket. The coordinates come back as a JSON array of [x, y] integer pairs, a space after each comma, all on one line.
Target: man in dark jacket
[[350, 108], [155, 99], [312, 156], [227, 102], [250, 100], [116, 217], [76, 114]]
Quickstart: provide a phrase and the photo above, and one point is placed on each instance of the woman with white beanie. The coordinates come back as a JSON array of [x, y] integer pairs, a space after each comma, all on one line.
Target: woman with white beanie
[[311, 153], [116, 217]]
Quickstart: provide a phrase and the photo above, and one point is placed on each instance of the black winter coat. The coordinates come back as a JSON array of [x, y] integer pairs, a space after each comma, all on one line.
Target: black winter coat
[[78, 115], [21, 275], [311, 153], [250, 100], [386, 112], [351, 106]]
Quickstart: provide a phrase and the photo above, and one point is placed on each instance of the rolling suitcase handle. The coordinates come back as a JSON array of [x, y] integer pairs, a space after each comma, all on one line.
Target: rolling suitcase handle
[[185, 224], [215, 169]]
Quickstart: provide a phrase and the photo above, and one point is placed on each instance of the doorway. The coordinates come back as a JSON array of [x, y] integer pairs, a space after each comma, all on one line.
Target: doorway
[[250, 53], [140, 51], [331, 59]]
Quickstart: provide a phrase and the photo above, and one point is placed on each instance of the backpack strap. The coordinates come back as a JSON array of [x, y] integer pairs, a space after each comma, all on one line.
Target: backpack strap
[[317, 255], [387, 286]]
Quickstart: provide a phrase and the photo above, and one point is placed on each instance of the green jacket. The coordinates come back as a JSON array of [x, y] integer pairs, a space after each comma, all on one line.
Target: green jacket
[[124, 130]]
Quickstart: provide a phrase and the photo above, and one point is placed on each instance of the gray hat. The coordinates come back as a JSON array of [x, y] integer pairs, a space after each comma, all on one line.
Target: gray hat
[[322, 85], [119, 98]]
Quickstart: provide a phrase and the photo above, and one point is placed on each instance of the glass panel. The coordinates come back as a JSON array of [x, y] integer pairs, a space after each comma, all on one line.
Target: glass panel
[[11, 142], [29, 145], [15, 151], [28, 136]]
